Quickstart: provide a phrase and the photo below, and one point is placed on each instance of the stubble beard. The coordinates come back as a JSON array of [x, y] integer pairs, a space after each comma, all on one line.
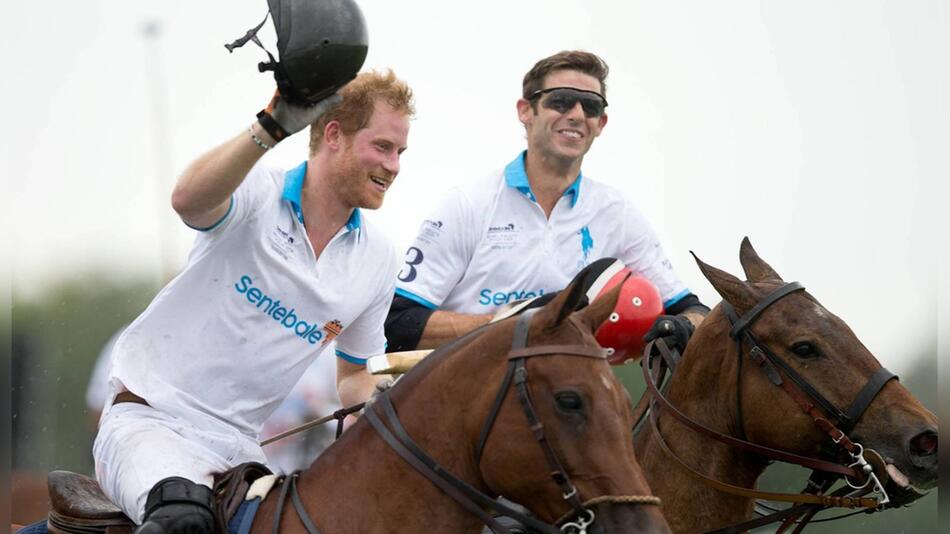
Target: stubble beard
[[350, 183], [553, 154]]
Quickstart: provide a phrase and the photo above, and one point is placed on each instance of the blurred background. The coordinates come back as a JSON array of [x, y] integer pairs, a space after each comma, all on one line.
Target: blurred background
[[818, 129]]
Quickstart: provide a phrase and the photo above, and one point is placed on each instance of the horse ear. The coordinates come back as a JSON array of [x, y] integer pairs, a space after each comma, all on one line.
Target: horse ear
[[565, 302], [732, 290], [756, 270], [598, 311]]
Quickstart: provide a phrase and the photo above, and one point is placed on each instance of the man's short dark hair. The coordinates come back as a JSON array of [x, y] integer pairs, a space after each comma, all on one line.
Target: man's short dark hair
[[578, 60]]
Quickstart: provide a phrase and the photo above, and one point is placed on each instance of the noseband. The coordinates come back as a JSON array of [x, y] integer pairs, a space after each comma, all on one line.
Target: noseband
[[465, 494], [811, 401]]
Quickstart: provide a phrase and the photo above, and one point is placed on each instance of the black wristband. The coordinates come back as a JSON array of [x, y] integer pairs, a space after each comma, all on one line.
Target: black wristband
[[270, 126]]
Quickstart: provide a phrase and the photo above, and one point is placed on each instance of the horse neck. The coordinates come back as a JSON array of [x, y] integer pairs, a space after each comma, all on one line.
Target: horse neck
[[359, 484], [704, 388]]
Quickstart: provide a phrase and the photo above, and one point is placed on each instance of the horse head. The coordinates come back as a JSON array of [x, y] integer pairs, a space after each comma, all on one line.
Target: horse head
[[823, 351], [586, 416]]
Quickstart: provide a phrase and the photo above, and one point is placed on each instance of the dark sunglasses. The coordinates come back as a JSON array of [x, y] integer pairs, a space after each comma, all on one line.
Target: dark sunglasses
[[563, 99]]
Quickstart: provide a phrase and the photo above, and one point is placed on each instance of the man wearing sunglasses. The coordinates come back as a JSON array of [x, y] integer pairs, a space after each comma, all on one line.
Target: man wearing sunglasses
[[525, 231]]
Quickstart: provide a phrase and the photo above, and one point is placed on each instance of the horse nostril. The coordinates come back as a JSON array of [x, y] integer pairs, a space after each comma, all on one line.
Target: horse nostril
[[924, 444]]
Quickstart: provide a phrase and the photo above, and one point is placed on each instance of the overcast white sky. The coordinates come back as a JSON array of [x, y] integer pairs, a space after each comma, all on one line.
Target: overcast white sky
[[819, 129]]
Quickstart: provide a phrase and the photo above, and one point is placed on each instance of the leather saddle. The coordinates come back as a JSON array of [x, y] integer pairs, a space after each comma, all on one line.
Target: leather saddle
[[78, 506]]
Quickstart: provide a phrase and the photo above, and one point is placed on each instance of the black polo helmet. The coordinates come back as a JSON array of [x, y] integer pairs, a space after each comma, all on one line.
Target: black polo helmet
[[322, 45]]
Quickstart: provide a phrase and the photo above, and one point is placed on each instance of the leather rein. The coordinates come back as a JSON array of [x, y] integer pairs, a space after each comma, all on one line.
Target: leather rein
[[862, 477], [469, 497]]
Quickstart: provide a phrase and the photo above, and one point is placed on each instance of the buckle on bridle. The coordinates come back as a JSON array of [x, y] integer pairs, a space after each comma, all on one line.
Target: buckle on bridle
[[571, 494], [841, 437], [757, 354]]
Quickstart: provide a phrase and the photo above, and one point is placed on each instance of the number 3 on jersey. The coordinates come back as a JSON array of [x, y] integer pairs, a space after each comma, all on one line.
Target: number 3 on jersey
[[413, 258]]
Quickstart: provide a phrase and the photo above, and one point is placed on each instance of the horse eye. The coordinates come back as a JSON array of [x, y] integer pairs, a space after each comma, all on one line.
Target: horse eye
[[568, 400], [804, 349]]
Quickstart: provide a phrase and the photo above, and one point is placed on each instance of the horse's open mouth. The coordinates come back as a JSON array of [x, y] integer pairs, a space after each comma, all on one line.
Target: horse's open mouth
[[899, 488]]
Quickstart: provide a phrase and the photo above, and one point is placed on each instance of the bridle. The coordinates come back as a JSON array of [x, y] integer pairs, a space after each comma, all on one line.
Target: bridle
[[467, 496], [861, 476]]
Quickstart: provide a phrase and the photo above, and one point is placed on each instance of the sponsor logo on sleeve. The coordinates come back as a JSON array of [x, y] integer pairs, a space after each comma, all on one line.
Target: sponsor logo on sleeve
[[431, 231], [332, 329]]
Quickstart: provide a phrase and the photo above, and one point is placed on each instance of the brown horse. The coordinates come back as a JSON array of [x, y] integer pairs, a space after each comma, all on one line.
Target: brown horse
[[465, 406], [823, 351]]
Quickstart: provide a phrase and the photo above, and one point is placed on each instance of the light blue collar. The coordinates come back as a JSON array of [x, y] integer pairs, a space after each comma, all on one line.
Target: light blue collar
[[293, 185], [517, 177]]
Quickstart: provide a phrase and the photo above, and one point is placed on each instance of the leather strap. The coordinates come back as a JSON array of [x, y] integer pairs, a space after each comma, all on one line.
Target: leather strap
[[493, 414], [867, 394], [301, 511], [743, 322], [558, 473], [281, 501], [769, 452], [467, 496], [824, 500], [569, 350]]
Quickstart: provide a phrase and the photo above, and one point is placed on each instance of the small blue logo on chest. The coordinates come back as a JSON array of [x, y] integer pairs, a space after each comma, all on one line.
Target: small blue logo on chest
[[587, 242]]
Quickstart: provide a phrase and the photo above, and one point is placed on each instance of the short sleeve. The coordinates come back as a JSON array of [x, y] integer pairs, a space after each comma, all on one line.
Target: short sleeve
[[260, 182], [366, 336], [644, 255], [440, 253]]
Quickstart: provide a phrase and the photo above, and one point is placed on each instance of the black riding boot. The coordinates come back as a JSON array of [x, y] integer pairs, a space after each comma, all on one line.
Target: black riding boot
[[178, 506]]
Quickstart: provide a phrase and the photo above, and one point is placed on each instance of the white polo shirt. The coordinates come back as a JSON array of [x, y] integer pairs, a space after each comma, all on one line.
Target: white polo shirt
[[226, 340], [489, 243]]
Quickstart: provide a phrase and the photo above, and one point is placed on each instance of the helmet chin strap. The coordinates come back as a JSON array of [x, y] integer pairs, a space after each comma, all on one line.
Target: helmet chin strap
[[251, 35]]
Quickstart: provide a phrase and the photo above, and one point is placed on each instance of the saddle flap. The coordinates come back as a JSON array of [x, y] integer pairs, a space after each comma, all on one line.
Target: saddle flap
[[77, 496], [231, 487]]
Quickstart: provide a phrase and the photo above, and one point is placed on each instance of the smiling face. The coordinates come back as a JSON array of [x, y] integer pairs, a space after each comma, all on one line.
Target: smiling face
[[368, 160], [562, 137]]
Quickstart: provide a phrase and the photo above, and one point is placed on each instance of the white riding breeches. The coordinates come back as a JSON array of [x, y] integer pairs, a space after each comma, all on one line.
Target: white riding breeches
[[137, 446]]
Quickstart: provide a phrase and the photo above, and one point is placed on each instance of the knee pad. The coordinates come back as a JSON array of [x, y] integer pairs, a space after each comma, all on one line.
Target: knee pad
[[178, 506]]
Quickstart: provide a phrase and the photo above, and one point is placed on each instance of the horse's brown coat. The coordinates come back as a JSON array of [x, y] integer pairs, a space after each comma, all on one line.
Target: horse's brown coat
[[704, 387], [360, 485]]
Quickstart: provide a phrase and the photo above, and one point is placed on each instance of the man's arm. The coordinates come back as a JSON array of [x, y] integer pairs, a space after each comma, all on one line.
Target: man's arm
[[354, 383], [202, 195], [445, 326], [411, 326], [691, 308], [694, 317]]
